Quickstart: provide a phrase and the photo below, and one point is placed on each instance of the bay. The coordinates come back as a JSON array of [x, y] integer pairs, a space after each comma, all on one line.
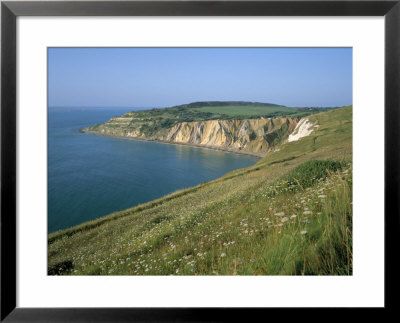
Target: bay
[[90, 176]]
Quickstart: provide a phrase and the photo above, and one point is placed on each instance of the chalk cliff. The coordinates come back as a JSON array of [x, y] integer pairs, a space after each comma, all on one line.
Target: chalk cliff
[[250, 136]]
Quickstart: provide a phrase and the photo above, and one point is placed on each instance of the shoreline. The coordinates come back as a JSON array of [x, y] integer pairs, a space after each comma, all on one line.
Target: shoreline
[[238, 152], [101, 218]]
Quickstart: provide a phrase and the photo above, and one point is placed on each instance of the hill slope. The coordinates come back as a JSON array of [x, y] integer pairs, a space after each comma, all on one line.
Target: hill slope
[[290, 213]]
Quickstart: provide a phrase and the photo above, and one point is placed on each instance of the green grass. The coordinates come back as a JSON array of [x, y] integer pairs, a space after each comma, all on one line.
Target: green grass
[[251, 111], [306, 174], [240, 224], [245, 110], [206, 111]]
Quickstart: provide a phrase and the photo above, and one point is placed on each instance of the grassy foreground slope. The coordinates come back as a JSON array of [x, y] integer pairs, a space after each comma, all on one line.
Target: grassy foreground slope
[[289, 214]]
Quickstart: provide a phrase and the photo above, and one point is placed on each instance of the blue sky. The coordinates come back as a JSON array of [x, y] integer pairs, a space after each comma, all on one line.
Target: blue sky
[[161, 77]]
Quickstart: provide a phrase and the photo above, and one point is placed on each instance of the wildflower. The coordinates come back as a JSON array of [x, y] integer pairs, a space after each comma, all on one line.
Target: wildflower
[[307, 212], [293, 216], [280, 214], [223, 254], [285, 219], [303, 232], [322, 196], [252, 260]]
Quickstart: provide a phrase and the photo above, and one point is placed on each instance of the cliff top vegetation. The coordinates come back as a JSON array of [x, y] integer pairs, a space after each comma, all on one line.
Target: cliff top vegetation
[[222, 110]]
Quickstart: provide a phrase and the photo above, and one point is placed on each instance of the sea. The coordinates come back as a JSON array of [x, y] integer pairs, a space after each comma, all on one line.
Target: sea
[[90, 176]]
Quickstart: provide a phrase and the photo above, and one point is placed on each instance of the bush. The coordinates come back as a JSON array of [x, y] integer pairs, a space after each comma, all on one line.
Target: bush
[[306, 174]]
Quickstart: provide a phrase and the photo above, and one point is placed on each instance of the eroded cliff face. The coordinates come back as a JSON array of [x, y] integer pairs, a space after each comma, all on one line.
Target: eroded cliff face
[[251, 136], [248, 136]]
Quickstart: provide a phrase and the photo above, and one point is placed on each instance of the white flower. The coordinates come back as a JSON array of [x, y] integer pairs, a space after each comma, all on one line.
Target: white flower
[[223, 254], [293, 216], [280, 214], [285, 219], [307, 212], [303, 232]]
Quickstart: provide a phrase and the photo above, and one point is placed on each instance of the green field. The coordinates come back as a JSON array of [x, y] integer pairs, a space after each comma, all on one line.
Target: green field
[[200, 111], [289, 214], [247, 110]]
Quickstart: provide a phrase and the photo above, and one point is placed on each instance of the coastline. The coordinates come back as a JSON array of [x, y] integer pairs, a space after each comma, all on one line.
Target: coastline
[[226, 150]]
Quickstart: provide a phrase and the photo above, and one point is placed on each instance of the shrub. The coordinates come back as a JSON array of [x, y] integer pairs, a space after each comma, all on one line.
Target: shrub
[[306, 174]]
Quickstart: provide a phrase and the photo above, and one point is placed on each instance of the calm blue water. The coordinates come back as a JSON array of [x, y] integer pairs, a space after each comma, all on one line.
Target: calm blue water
[[90, 176]]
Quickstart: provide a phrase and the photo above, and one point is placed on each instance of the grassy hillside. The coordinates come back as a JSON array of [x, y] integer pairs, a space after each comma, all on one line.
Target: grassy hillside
[[289, 214], [241, 110], [245, 111]]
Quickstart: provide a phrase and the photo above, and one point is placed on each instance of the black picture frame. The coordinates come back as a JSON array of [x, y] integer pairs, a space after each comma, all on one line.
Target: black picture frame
[[10, 10]]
